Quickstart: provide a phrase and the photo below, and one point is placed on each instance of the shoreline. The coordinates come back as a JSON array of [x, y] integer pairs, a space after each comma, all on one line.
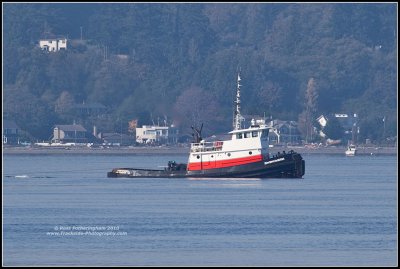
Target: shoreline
[[185, 150]]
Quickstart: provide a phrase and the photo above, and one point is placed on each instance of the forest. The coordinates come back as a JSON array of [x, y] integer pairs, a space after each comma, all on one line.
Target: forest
[[178, 62]]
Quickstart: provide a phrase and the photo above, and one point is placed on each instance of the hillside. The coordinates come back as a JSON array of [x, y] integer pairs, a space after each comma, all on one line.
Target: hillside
[[178, 63]]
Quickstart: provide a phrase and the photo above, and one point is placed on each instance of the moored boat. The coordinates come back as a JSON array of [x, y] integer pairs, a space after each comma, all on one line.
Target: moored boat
[[351, 150], [244, 154]]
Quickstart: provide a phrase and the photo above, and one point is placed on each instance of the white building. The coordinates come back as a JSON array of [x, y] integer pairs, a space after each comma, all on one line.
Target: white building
[[53, 44], [157, 134], [322, 120]]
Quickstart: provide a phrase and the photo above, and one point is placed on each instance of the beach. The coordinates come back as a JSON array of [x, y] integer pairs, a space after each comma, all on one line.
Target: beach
[[361, 150]]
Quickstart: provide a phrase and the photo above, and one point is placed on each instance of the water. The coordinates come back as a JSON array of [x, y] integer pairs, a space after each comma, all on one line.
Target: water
[[342, 213]]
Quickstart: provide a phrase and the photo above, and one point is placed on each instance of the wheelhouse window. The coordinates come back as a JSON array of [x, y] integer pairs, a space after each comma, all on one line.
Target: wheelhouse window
[[239, 135], [254, 134], [247, 135]]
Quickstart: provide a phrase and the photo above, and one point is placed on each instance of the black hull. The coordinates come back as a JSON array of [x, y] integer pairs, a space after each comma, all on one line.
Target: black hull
[[290, 165]]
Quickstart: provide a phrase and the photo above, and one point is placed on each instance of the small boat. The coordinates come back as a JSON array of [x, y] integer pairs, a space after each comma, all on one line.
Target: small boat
[[351, 150], [244, 153]]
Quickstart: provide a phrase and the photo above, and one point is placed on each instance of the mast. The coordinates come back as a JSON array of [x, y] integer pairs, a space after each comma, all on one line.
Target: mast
[[238, 116]]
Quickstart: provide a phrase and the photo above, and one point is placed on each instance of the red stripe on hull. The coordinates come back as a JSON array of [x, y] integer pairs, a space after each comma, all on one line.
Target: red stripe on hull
[[223, 163]]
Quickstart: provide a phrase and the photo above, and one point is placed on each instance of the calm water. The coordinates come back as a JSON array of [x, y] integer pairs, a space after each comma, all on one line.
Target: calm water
[[63, 210]]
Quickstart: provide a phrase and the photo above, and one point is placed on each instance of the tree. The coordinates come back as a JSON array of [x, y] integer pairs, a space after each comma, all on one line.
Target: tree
[[307, 117], [64, 103], [270, 95], [194, 107], [29, 112], [350, 50], [311, 96], [333, 129]]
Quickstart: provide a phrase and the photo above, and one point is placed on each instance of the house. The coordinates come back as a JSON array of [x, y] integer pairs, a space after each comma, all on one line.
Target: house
[[53, 44], [74, 133], [347, 121], [250, 119], [10, 133], [322, 120], [157, 134], [284, 132]]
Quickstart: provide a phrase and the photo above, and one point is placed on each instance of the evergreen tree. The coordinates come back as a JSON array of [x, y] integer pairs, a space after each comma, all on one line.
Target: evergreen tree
[[307, 117]]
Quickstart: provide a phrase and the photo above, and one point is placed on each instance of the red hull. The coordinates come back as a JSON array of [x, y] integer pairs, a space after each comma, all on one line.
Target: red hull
[[223, 163]]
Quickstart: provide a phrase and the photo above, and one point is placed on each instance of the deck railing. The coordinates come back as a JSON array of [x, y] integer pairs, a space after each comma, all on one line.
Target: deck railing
[[206, 146]]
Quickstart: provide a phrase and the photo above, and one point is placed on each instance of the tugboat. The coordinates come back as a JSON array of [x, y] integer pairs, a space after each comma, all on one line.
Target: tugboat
[[245, 154]]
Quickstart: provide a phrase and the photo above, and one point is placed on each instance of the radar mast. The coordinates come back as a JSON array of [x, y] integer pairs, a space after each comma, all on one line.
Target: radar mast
[[238, 117]]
